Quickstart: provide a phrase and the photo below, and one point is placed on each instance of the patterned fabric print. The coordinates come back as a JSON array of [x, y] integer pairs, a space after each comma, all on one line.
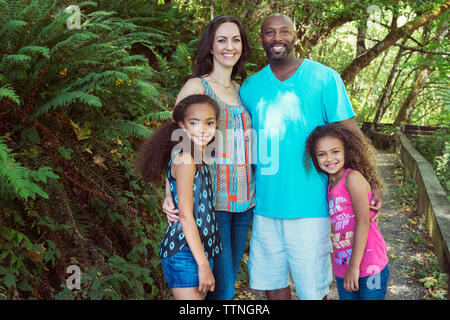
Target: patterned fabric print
[[233, 182], [204, 215]]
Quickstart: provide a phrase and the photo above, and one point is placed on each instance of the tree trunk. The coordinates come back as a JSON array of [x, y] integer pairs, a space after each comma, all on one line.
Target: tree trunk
[[388, 86], [363, 60], [408, 105], [212, 9], [307, 41], [412, 96], [373, 82], [361, 38]]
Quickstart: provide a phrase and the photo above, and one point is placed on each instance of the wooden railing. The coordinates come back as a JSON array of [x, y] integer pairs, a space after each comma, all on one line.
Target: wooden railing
[[406, 129], [432, 199]]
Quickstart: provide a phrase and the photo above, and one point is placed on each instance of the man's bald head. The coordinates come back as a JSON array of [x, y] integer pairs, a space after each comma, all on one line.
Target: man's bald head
[[278, 38], [268, 18]]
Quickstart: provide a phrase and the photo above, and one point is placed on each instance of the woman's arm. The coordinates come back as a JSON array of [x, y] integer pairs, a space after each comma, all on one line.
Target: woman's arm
[[169, 207], [358, 188], [185, 172]]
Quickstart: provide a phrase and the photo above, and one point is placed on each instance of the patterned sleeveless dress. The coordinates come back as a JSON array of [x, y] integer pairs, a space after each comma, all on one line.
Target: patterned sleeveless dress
[[204, 216]]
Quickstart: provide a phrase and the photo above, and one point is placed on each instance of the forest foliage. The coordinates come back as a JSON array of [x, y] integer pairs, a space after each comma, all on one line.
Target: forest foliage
[[75, 103]]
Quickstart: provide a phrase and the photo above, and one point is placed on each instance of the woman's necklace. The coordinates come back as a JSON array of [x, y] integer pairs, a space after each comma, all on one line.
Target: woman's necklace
[[226, 87]]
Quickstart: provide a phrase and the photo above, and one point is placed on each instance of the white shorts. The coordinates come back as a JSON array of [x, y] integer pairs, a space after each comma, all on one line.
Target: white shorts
[[299, 246]]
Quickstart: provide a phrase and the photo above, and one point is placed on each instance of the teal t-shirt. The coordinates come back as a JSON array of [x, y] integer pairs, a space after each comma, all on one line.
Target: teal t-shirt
[[284, 113]]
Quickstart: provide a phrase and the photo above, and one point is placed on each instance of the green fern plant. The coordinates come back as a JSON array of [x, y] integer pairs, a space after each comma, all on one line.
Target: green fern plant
[[80, 101], [175, 70], [20, 181]]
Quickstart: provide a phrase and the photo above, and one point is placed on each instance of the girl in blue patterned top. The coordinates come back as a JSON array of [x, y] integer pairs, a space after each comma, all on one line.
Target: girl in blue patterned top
[[190, 244]]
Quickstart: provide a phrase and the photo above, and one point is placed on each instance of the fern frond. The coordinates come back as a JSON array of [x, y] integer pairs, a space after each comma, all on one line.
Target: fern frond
[[32, 50], [48, 33], [130, 128], [96, 51], [10, 60], [132, 60], [73, 42], [124, 128], [77, 64], [157, 116], [67, 98], [181, 57], [19, 177], [165, 70], [88, 3], [146, 35], [146, 88], [142, 72], [5, 152], [97, 27], [94, 79], [8, 92], [100, 15], [12, 29], [31, 12]]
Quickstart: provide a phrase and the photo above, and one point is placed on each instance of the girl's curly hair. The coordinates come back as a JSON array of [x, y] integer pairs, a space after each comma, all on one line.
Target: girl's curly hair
[[359, 154], [154, 154]]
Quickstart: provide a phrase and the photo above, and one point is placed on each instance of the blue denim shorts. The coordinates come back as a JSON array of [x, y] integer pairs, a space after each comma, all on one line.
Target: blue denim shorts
[[181, 269], [370, 288]]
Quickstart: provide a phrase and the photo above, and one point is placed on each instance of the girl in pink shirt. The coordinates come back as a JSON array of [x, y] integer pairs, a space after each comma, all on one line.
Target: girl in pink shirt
[[359, 257]]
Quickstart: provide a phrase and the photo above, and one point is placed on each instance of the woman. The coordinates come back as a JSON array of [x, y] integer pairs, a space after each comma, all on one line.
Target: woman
[[221, 56]]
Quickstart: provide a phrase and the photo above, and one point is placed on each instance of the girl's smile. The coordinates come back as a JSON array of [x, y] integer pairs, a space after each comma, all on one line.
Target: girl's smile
[[200, 123], [330, 156]]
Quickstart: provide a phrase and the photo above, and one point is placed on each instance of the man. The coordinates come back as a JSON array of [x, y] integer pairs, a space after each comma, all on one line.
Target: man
[[287, 100]]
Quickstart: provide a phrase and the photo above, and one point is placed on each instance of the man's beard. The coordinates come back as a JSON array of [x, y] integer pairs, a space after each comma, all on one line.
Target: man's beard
[[289, 46]]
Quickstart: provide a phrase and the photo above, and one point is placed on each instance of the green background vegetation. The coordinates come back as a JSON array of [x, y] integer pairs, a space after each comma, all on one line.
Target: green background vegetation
[[76, 103]]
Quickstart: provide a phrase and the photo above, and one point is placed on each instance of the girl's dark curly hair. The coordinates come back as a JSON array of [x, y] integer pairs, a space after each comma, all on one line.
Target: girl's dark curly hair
[[155, 152], [359, 155], [203, 60]]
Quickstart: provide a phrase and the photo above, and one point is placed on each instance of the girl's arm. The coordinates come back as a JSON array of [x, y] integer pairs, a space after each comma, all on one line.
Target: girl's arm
[[358, 188], [185, 172], [192, 86]]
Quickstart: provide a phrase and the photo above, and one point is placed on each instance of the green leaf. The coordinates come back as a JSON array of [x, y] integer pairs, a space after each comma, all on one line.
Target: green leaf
[[48, 172], [42, 193], [24, 285], [9, 280], [51, 244], [66, 153], [31, 134]]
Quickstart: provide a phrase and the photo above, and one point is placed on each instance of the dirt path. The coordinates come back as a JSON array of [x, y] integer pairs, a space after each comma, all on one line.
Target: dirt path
[[394, 227]]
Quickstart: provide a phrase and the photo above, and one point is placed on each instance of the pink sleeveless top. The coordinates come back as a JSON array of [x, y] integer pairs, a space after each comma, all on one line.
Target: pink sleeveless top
[[343, 220]]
